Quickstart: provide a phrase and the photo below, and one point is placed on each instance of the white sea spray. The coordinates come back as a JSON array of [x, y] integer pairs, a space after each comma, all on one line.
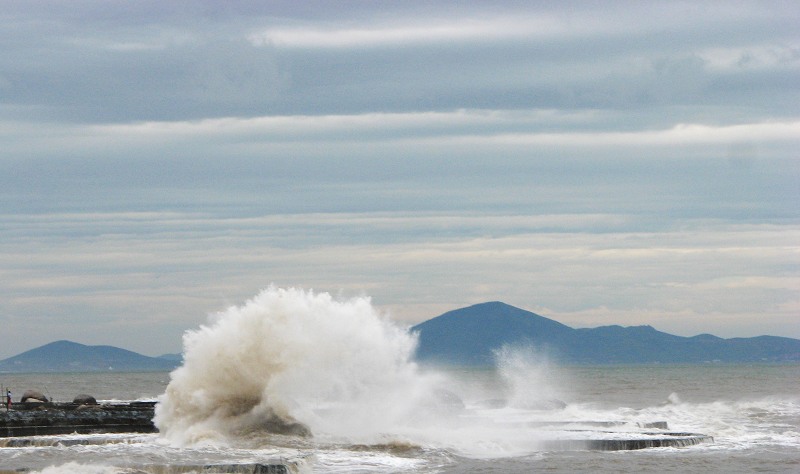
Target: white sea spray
[[289, 359]]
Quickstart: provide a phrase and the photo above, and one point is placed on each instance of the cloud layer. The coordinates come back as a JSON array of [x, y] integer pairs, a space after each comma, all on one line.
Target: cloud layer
[[624, 163]]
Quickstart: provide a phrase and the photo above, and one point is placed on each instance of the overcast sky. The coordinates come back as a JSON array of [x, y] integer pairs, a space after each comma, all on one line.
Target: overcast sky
[[594, 162]]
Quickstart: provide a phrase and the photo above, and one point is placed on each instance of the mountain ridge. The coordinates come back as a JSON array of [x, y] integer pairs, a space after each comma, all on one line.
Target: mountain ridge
[[68, 356], [471, 336]]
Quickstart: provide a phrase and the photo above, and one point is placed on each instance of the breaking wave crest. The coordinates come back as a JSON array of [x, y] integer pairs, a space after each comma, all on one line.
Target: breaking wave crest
[[293, 362]]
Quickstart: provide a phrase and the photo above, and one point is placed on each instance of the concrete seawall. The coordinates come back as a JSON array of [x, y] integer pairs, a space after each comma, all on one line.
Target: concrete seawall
[[65, 418], [26, 420], [634, 442]]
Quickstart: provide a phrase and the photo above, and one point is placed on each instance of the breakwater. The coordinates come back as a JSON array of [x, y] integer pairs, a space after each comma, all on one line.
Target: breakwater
[[64, 418], [136, 417]]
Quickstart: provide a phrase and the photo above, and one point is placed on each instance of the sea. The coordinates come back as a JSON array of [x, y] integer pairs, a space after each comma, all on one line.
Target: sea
[[751, 411], [322, 385]]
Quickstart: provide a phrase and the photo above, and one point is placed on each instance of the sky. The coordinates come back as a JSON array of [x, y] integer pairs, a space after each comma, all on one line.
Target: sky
[[598, 163]]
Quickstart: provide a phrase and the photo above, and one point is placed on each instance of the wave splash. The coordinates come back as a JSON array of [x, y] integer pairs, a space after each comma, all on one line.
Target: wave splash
[[294, 362]]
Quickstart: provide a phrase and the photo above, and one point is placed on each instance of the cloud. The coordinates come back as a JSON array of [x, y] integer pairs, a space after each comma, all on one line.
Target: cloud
[[630, 163], [484, 127], [172, 63], [680, 134], [753, 58], [442, 31], [169, 270]]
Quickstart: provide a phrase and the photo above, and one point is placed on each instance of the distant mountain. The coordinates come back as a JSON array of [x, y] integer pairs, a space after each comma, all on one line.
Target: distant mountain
[[470, 336], [66, 356]]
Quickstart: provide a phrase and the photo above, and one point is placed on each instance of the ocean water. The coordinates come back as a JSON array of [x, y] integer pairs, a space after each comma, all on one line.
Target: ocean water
[[752, 412], [291, 362]]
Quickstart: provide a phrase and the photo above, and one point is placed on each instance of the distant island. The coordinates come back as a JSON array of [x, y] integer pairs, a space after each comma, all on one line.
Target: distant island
[[470, 336], [67, 356]]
